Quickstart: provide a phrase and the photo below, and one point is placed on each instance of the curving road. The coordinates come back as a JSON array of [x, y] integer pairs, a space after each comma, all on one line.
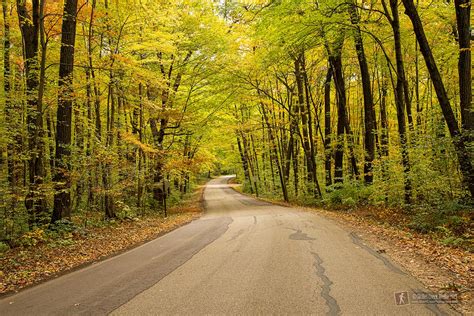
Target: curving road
[[243, 256]]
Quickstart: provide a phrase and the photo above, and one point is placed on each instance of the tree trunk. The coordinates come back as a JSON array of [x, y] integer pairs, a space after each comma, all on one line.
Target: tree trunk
[[463, 19], [304, 124], [327, 127], [369, 111], [399, 100], [312, 144], [62, 197], [274, 154], [9, 111], [336, 65], [35, 201], [245, 164]]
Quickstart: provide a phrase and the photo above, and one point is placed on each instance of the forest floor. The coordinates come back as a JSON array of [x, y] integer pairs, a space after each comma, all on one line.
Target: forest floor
[[24, 267], [439, 267]]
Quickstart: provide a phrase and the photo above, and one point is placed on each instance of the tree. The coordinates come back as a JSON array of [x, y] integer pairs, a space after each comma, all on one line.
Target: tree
[[29, 25], [62, 197], [401, 101], [463, 20], [369, 112]]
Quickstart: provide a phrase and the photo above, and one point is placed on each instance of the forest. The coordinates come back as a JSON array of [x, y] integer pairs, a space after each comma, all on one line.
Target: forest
[[329, 103]]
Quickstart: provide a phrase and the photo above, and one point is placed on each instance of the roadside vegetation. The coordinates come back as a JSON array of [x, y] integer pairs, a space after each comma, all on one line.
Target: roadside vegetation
[[45, 253]]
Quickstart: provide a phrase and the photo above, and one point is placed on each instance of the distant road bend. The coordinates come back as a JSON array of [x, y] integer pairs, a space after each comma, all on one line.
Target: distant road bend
[[243, 256]]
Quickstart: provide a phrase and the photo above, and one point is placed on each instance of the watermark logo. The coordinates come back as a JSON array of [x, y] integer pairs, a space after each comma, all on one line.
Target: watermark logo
[[434, 298], [405, 298], [401, 298]]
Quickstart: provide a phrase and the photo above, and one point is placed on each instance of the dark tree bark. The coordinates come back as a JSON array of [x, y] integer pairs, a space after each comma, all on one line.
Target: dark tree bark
[[336, 65], [292, 144], [35, 201], [307, 147], [9, 111], [335, 60], [459, 141], [383, 119], [6, 49], [327, 127], [312, 144], [369, 111], [245, 163], [463, 19], [251, 165], [62, 197], [296, 173]]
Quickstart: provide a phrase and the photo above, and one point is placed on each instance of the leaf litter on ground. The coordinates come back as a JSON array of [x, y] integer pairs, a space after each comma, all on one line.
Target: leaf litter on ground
[[26, 266]]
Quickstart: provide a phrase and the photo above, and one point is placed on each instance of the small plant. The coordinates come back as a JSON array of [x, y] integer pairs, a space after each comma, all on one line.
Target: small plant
[[124, 211], [33, 238], [348, 195], [3, 247]]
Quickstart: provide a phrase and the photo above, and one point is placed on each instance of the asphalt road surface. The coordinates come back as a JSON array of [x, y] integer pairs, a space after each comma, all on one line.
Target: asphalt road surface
[[242, 257]]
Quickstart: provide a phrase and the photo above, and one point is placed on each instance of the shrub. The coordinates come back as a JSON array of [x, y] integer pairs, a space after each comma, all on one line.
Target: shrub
[[33, 238], [450, 221], [349, 194], [4, 247]]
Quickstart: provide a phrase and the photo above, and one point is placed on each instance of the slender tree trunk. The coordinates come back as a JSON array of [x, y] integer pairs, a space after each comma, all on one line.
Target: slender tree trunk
[[463, 18], [303, 117], [399, 100], [419, 108], [62, 197], [248, 157], [384, 142], [139, 130], [327, 126], [274, 154], [9, 111], [255, 157], [304, 124], [369, 111], [107, 174], [312, 144], [245, 164], [336, 65], [296, 174]]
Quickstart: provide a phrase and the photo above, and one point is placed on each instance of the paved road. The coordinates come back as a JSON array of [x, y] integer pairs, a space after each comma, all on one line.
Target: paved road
[[243, 257]]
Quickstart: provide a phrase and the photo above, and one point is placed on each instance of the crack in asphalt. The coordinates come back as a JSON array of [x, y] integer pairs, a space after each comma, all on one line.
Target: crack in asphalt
[[358, 241], [331, 302], [237, 235]]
